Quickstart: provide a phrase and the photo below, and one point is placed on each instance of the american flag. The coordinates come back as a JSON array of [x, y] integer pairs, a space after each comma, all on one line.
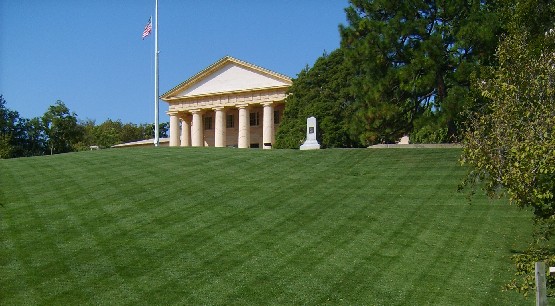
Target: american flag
[[148, 28]]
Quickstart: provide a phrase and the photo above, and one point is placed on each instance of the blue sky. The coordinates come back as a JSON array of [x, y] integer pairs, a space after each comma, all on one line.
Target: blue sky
[[90, 55]]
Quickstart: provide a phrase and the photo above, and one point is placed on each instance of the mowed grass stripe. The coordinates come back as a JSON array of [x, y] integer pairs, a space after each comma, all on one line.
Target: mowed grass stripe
[[224, 226]]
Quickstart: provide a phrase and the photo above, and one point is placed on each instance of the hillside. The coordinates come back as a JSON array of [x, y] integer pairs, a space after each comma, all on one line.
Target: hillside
[[229, 226]]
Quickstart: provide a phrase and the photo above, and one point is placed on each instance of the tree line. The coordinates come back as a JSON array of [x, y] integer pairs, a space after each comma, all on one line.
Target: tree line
[[59, 130], [404, 68]]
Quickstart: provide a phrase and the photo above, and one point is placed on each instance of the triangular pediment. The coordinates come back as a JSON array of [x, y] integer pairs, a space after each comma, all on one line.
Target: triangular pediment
[[228, 75]]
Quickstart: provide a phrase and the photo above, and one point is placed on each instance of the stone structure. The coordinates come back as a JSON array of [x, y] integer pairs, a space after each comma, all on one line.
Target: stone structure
[[404, 140], [230, 103], [310, 143]]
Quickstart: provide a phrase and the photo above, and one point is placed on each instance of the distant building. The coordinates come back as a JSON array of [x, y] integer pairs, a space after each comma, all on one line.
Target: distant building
[[230, 103]]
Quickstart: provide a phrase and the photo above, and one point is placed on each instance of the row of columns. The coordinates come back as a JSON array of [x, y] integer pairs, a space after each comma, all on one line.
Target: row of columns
[[192, 133]]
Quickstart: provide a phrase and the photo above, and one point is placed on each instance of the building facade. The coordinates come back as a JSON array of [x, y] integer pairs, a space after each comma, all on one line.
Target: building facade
[[231, 103]]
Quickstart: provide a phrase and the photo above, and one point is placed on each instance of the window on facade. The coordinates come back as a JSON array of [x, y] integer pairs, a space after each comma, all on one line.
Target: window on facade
[[276, 117], [229, 123], [254, 120], [207, 123]]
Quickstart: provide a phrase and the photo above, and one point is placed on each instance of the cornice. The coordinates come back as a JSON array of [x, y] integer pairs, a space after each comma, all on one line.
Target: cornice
[[228, 93], [217, 65]]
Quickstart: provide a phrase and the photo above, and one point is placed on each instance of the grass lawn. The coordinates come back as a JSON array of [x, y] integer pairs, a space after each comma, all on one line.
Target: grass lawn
[[231, 226]]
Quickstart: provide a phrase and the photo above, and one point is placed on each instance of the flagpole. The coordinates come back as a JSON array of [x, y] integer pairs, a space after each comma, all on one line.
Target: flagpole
[[156, 94]]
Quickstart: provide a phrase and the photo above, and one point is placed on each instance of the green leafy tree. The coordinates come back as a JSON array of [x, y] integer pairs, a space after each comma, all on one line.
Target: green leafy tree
[[13, 141], [35, 137], [88, 127], [61, 128], [108, 133], [132, 132], [111, 132], [322, 92], [412, 58], [532, 16], [8, 121], [163, 129], [510, 144], [6, 147]]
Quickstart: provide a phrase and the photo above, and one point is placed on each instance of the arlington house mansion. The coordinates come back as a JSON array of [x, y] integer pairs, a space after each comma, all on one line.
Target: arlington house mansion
[[231, 103]]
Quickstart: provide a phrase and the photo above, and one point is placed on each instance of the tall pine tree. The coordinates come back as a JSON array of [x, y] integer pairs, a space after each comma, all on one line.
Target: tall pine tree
[[412, 61]]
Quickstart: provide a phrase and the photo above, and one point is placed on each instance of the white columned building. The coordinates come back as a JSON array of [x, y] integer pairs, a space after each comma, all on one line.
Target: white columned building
[[230, 103]]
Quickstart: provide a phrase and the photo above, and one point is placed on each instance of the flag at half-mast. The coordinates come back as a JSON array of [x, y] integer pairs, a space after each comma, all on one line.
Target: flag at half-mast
[[148, 28]]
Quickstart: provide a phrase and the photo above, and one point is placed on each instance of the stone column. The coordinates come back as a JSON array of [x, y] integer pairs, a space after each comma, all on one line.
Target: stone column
[[185, 131], [219, 128], [244, 127], [268, 125], [174, 129], [197, 129]]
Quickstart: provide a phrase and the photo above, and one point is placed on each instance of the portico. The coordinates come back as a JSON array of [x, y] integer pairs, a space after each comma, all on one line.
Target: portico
[[230, 103]]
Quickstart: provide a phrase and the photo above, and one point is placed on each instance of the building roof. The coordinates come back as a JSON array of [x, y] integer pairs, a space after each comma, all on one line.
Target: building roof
[[228, 75]]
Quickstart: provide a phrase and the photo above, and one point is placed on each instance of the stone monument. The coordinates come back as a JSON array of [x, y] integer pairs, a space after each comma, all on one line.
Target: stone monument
[[310, 143]]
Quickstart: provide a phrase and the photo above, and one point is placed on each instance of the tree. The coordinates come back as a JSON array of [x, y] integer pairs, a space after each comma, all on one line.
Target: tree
[[108, 133], [112, 132], [531, 16], [88, 127], [12, 132], [132, 132], [510, 143], [320, 91], [8, 120], [6, 148], [59, 131], [163, 129], [35, 137], [61, 128], [413, 59]]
